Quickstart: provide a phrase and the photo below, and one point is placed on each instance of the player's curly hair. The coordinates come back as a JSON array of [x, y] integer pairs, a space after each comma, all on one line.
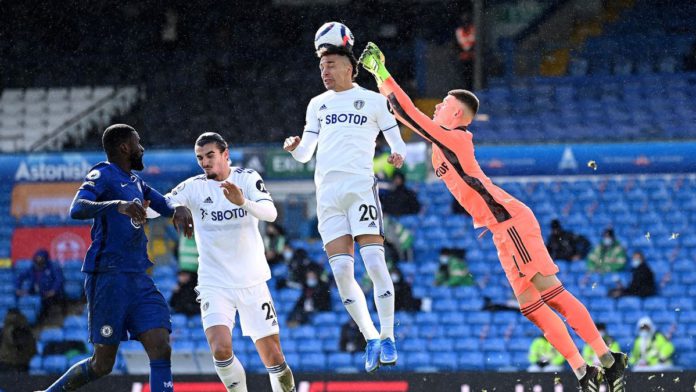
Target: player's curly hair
[[342, 51]]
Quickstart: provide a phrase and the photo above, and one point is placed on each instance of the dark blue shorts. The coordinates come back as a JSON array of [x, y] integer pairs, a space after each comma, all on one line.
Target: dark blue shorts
[[122, 305]]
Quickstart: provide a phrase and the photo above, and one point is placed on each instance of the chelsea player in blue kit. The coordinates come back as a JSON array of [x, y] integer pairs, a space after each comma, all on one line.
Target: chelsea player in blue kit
[[122, 299]]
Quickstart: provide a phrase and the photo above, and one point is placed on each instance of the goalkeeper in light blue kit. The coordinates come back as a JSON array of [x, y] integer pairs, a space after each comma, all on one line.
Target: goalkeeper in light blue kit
[[123, 300]]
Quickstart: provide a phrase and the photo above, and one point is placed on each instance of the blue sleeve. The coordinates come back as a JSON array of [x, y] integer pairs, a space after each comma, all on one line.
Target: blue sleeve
[[85, 206], [157, 201]]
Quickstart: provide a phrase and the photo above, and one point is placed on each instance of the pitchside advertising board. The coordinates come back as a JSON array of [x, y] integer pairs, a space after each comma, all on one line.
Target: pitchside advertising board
[[44, 184], [384, 381]]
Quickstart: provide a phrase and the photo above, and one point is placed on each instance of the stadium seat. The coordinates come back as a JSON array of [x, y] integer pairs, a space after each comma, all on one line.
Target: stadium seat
[[418, 360], [496, 360], [54, 364], [340, 360], [51, 335], [474, 360], [447, 361], [35, 365], [313, 362]]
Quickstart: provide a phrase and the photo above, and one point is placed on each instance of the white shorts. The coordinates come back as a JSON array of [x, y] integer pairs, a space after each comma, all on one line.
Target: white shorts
[[257, 314], [348, 204]]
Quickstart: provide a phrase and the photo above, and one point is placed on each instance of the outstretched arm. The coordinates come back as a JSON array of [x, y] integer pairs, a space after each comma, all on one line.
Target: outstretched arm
[[372, 60]]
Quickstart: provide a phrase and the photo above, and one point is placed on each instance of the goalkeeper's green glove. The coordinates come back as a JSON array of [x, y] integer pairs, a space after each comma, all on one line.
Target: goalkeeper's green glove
[[372, 60]]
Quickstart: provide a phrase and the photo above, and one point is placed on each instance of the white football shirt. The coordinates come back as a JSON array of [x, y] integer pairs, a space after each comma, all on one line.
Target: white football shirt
[[230, 247], [344, 126]]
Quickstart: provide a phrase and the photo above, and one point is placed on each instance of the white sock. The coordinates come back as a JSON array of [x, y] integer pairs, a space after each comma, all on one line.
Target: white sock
[[281, 378], [351, 294], [231, 373], [373, 256]]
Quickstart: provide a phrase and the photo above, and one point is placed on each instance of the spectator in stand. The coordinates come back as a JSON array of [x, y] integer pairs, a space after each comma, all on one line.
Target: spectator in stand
[[184, 295], [299, 263], [466, 41], [609, 256], [315, 297], [652, 351], [400, 200], [403, 293], [352, 339], [543, 357], [43, 278], [589, 354], [453, 269], [565, 245], [17, 343], [642, 280], [274, 242]]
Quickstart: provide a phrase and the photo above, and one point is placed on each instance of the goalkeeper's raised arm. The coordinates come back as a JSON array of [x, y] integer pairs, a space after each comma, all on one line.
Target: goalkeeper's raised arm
[[457, 110]]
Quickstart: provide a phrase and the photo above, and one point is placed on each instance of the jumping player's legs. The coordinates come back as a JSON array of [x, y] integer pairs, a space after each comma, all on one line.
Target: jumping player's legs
[[555, 331], [557, 297], [372, 252], [523, 255], [340, 252]]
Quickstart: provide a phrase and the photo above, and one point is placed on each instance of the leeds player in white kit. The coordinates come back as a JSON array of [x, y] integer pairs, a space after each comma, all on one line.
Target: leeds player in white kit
[[342, 124], [227, 204]]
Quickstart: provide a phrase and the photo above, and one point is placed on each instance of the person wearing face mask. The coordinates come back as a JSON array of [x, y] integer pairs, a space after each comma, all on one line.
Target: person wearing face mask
[[589, 354], [642, 280], [299, 263], [315, 297], [453, 269], [651, 350], [609, 256]]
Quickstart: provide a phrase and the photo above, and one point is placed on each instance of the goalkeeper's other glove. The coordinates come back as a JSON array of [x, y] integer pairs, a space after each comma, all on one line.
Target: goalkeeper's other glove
[[372, 60]]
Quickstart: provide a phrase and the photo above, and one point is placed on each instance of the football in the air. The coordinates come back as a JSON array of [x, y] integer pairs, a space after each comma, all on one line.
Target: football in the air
[[333, 33]]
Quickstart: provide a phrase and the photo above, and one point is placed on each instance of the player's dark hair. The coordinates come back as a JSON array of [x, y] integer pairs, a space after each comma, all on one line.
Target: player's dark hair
[[467, 98], [212, 137], [114, 136], [341, 51]]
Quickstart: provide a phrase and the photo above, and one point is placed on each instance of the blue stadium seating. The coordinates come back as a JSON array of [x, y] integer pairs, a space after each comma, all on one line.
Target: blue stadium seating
[[479, 339]]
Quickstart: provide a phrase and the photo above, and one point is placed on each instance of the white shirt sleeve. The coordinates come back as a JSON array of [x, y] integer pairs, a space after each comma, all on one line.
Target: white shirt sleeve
[[175, 198], [389, 127], [310, 136], [179, 195], [258, 201]]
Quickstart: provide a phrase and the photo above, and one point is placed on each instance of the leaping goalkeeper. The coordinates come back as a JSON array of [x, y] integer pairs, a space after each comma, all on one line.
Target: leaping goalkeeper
[[516, 232]]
